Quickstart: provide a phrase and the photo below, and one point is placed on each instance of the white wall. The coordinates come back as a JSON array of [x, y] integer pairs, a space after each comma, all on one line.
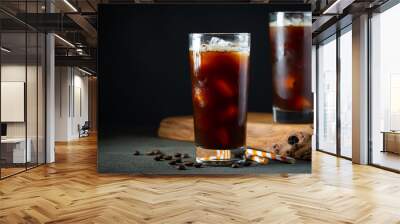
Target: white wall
[[80, 103], [15, 72], [62, 81], [71, 102]]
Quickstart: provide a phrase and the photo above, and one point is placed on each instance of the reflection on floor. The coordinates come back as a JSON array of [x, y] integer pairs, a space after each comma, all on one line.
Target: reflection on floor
[[10, 169], [386, 159]]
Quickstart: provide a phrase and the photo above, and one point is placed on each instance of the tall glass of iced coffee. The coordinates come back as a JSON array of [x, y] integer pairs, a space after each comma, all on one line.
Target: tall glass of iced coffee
[[290, 41], [219, 66]]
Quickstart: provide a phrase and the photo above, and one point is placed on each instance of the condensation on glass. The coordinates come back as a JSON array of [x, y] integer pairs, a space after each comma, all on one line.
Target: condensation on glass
[[219, 65]]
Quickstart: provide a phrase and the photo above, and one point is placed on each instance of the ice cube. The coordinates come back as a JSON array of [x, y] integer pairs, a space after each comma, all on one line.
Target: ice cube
[[231, 112], [290, 82], [224, 88], [199, 97], [286, 85], [218, 41], [302, 103], [219, 44]]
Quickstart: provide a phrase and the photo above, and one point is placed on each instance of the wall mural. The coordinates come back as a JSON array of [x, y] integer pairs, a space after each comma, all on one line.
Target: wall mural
[[205, 89]]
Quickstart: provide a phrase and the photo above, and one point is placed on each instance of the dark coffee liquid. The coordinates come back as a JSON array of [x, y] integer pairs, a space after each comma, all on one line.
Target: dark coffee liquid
[[219, 94], [291, 67]]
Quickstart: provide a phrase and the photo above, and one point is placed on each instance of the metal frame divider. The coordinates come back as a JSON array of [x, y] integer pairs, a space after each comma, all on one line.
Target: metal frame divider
[[316, 96], [369, 90], [26, 87], [338, 98], [0, 98]]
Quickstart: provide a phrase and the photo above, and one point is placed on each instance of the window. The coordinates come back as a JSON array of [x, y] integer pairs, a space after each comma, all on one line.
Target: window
[[346, 93], [327, 96], [385, 89]]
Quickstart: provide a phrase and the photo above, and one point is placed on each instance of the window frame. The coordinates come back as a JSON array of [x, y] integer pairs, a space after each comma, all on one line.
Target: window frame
[[333, 37]]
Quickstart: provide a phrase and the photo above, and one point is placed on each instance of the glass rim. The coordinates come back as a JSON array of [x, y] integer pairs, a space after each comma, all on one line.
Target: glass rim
[[285, 18], [290, 12], [220, 34]]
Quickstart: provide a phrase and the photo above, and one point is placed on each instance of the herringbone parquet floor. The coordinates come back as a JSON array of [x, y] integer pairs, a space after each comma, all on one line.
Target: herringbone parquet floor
[[71, 191]]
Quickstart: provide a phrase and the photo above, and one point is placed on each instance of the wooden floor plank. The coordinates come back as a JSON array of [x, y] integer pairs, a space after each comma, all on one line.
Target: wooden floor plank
[[71, 191]]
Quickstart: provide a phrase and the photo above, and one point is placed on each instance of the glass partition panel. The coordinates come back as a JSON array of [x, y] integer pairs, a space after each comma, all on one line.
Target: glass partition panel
[[327, 96], [22, 88], [14, 151], [346, 94]]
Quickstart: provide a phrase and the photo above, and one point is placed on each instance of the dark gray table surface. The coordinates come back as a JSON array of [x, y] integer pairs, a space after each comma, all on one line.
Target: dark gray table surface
[[115, 155]]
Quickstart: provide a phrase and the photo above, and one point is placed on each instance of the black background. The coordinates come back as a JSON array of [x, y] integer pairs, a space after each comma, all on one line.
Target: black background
[[143, 58]]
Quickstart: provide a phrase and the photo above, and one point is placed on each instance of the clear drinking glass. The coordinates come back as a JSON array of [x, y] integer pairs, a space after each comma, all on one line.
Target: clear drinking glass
[[290, 41], [219, 64]]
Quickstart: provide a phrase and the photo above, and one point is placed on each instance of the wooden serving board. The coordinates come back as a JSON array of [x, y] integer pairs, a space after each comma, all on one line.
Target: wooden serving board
[[262, 133]]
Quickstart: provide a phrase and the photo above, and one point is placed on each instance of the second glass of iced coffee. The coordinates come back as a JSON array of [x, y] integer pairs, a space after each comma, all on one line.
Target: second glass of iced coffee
[[290, 41]]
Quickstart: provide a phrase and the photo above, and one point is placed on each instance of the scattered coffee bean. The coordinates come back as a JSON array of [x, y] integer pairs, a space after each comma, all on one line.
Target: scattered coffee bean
[[178, 160], [188, 163], [158, 158], [186, 156], [198, 165], [181, 167], [176, 155], [172, 163], [168, 157], [150, 153], [247, 163], [136, 153], [235, 165], [238, 153], [157, 152]]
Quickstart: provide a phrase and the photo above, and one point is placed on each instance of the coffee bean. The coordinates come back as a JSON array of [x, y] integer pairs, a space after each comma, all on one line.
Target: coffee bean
[[136, 153], [186, 156], [158, 158], [168, 157], [150, 153], [178, 160], [172, 163], [247, 163], [198, 165], [188, 163], [181, 167], [176, 155], [235, 165], [157, 152], [238, 153]]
